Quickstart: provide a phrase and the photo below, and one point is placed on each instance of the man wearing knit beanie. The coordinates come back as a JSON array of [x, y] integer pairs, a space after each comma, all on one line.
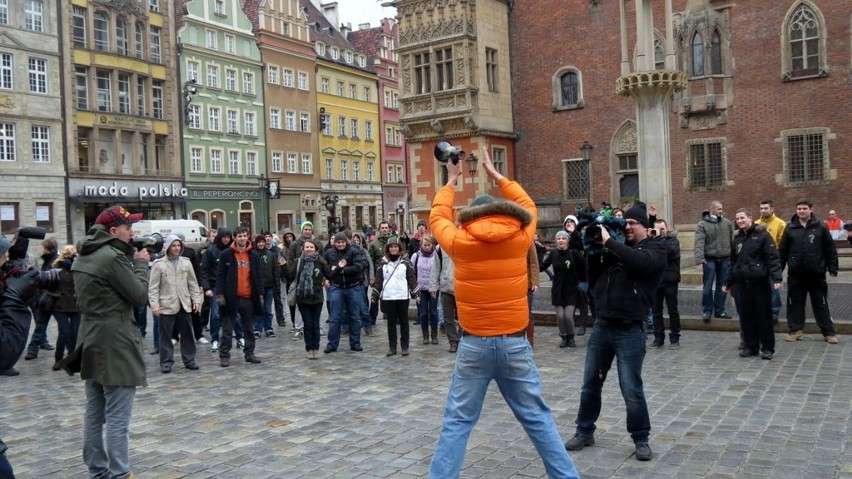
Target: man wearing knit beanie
[[295, 249], [624, 283]]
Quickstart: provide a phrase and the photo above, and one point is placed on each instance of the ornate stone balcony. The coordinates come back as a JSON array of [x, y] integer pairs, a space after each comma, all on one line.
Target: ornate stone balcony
[[637, 83]]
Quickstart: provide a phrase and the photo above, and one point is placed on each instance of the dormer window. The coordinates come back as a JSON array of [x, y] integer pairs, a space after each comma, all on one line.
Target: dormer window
[[335, 53], [362, 61], [348, 56], [320, 49]]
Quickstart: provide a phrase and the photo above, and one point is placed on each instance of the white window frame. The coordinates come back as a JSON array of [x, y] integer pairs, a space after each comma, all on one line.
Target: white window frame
[[154, 37], [303, 80], [4, 12], [194, 117], [81, 88], [34, 15], [344, 170], [329, 168], [192, 69], [307, 164], [196, 159], [40, 136], [124, 93], [213, 76], [230, 44], [305, 122], [104, 95], [7, 71], [232, 118], [251, 163], [214, 118], [7, 142], [325, 85], [234, 166], [250, 123], [100, 35], [368, 130], [277, 162], [353, 127], [212, 39], [371, 171], [216, 161], [356, 170], [157, 99], [230, 79], [287, 77], [272, 74], [290, 120], [292, 167], [38, 75], [275, 118], [219, 7], [248, 83]]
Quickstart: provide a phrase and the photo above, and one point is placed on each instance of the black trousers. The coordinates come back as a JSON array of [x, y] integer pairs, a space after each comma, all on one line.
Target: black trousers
[[182, 323], [667, 293], [798, 288], [245, 308], [397, 314], [756, 319]]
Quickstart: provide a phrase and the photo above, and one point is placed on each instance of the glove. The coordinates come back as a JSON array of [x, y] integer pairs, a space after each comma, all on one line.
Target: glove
[[220, 299], [22, 287], [584, 286]]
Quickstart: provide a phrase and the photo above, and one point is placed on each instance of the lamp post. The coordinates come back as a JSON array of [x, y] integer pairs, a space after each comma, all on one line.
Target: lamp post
[[330, 203], [586, 150], [189, 90], [471, 164], [400, 214]]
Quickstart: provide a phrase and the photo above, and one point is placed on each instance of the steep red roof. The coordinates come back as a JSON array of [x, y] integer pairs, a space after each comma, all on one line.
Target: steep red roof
[[323, 31], [251, 9]]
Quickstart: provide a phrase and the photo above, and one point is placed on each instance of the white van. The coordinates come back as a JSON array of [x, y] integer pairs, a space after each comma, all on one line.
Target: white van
[[193, 230]]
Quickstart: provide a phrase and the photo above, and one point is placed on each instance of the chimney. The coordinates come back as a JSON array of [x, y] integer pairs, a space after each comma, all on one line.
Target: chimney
[[363, 26], [345, 29], [330, 12]]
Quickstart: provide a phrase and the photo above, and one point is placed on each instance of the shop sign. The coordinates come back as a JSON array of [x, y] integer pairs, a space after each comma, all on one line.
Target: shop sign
[[225, 194], [126, 122], [160, 190]]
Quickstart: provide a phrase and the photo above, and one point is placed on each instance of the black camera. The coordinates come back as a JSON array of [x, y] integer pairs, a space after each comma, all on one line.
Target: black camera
[[49, 280], [153, 243], [592, 236], [21, 241], [445, 152]]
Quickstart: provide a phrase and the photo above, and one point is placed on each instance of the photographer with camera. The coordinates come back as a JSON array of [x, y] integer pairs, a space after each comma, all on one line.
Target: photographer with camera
[[17, 287], [624, 279], [43, 308], [109, 351]]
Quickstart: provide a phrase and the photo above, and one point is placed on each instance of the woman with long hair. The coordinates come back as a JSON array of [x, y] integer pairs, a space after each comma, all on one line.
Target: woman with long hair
[[65, 311], [307, 273]]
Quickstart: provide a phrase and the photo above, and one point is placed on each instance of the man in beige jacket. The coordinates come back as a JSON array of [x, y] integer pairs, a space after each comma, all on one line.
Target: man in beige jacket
[[173, 293]]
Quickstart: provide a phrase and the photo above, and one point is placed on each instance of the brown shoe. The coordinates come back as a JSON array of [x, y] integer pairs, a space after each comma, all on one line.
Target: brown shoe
[[794, 336], [454, 346], [224, 362], [253, 359], [831, 340]]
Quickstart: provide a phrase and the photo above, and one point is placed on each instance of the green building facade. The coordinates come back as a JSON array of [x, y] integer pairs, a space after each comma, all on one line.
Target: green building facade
[[224, 148]]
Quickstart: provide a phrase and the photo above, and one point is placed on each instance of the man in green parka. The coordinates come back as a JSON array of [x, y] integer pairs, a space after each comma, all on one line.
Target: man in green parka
[[109, 349]]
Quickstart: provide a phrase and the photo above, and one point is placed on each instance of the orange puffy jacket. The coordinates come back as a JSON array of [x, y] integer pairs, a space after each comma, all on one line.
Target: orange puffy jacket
[[489, 251]]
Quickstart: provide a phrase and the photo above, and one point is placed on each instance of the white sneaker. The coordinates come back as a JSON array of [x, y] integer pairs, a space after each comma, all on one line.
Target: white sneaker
[[174, 341], [203, 340], [298, 335], [241, 343], [214, 346]]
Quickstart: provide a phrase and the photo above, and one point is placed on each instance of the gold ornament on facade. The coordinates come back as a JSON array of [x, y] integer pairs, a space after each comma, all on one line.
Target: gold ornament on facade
[[666, 80]]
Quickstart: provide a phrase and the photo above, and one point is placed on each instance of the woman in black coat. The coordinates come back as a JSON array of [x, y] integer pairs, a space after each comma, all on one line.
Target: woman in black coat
[[568, 272]]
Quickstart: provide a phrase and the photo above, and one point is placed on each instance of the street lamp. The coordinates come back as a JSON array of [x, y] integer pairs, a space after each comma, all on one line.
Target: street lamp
[[471, 164], [586, 150], [400, 212], [189, 90]]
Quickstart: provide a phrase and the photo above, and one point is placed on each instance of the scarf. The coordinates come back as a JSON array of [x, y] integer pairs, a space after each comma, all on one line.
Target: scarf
[[305, 281]]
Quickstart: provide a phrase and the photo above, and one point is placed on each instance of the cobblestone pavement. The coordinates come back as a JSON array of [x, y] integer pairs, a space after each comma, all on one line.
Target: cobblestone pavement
[[362, 415]]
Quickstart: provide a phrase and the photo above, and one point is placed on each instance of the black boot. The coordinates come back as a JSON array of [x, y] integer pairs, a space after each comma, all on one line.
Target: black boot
[[571, 343], [564, 343]]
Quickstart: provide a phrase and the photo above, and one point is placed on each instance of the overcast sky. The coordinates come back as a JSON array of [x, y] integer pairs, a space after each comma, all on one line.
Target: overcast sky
[[363, 11]]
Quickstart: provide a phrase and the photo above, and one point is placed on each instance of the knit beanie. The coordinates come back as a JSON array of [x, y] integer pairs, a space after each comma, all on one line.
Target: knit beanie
[[306, 223], [638, 212], [340, 236], [563, 234], [259, 238], [482, 200], [569, 217]]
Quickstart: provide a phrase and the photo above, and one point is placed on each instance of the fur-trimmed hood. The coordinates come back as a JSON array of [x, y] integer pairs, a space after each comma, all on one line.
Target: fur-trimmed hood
[[508, 214]]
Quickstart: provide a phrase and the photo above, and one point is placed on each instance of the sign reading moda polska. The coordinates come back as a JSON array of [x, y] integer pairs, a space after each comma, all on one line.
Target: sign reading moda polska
[[115, 190]]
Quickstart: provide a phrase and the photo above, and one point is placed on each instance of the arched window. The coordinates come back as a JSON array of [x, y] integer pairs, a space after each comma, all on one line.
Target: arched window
[[659, 54], [567, 89], [716, 54], [804, 40], [139, 41], [697, 55], [101, 32], [121, 36]]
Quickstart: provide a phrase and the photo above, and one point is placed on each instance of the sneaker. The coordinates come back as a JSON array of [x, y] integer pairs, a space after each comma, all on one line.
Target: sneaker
[[578, 442], [32, 355], [706, 318], [831, 340], [214, 346], [357, 348], [298, 335], [405, 351], [674, 345], [747, 353], [643, 451], [152, 352], [391, 352], [241, 343], [174, 341], [329, 349], [192, 366], [766, 354], [723, 316], [270, 333], [46, 346], [257, 334], [658, 343], [794, 336], [10, 372], [203, 340]]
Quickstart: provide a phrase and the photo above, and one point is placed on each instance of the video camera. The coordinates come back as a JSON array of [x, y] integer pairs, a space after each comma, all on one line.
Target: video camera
[[445, 152], [615, 226], [153, 243], [47, 280]]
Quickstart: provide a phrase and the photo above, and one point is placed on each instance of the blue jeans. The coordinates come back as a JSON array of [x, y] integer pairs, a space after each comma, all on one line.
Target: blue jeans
[[364, 310], [107, 407], [68, 324], [606, 343], [509, 362], [6, 471], [39, 336], [263, 318], [427, 311], [713, 300], [345, 307], [216, 322]]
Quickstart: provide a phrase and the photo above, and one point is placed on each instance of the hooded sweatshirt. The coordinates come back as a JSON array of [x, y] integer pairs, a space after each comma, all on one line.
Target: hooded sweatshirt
[[173, 284]]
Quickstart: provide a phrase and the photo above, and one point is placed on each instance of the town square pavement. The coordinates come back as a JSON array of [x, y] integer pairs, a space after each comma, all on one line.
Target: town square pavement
[[362, 415]]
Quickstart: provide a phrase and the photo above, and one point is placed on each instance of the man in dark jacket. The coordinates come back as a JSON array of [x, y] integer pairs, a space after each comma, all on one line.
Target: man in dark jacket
[[295, 248], [756, 269], [109, 350], [346, 293], [195, 260], [808, 250], [207, 280], [239, 290], [16, 290], [624, 281], [270, 279], [414, 244], [49, 253], [668, 289]]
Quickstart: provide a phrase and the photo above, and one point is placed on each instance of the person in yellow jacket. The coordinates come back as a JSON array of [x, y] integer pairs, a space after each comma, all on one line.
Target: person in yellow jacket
[[489, 250]]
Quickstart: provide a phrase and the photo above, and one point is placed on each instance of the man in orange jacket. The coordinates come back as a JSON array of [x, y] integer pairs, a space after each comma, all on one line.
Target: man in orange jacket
[[489, 250]]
